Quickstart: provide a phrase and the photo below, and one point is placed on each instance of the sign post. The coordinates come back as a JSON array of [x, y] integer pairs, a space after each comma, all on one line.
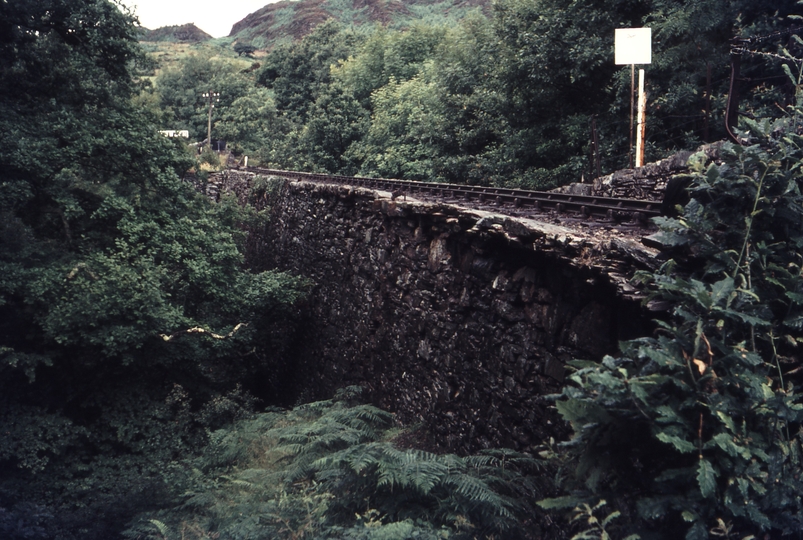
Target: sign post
[[634, 46], [642, 128]]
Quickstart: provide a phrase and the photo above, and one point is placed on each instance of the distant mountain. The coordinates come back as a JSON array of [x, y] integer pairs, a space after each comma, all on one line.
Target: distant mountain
[[186, 33], [291, 20]]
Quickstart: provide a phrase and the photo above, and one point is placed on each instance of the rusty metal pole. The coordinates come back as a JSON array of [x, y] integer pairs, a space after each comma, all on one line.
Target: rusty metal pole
[[594, 159], [632, 99], [591, 151], [597, 158]]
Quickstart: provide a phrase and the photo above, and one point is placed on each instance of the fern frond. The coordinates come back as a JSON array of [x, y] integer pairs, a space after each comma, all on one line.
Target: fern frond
[[163, 530], [314, 407], [199, 500], [238, 482], [477, 491], [259, 476], [293, 448], [298, 471], [454, 463], [310, 470]]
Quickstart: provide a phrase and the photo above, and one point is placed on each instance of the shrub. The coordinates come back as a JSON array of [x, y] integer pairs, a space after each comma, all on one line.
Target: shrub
[[698, 429], [328, 470]]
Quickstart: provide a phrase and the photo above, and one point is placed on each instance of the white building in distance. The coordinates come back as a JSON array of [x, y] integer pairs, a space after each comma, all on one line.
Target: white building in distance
[[175, 133]]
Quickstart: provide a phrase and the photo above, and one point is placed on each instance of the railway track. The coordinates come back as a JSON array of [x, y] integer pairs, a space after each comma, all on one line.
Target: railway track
[[585, 207]]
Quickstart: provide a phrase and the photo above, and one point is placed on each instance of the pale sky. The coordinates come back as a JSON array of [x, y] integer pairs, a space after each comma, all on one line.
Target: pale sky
[[213, 17]]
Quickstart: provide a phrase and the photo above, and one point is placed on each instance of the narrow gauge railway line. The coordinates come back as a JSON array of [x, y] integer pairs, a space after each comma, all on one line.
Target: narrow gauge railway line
[[587, 207]]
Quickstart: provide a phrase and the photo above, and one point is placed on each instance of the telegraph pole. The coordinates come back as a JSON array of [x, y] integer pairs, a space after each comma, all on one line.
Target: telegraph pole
[[211, 98]]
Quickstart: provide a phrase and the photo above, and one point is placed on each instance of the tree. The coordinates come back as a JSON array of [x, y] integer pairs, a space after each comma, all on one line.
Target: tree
[[244, 49], [408, 130], [181, 91], [386, 55], [251, 122], [118, 281], [298, 73], [337, 121], [465, 70]]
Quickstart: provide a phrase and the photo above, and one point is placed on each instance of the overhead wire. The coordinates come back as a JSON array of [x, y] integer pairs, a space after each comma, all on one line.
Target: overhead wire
[[777, 33]]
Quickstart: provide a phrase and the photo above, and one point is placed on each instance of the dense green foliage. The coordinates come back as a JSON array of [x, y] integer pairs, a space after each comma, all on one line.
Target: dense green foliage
[[506, 99], [181, 91], [698, 431], [330, 470], [116, 279]]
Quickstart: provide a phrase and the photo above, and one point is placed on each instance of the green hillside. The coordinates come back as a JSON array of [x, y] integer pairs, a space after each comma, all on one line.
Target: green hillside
[[285, 22], [185, 33]]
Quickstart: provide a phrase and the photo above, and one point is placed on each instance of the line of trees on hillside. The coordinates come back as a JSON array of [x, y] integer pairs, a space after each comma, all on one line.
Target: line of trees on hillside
[[507, 99]]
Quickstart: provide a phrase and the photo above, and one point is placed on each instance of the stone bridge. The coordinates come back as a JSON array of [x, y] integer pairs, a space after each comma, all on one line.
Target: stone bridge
[[457, 319]]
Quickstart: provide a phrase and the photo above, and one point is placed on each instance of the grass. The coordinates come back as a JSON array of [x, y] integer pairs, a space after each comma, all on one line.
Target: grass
[[169, 54]]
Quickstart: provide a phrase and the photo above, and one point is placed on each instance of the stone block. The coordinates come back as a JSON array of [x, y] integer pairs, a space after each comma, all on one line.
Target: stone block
[[438, 254]]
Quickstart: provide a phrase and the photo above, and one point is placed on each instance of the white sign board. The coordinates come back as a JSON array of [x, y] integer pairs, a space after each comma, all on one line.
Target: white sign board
[[632, 46]]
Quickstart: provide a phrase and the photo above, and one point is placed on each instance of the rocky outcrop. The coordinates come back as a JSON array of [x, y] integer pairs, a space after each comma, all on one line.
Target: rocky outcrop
[[458, 319]]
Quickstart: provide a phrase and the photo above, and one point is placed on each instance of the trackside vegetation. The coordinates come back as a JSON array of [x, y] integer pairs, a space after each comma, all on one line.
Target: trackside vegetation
[[116, 278], [696, 432]]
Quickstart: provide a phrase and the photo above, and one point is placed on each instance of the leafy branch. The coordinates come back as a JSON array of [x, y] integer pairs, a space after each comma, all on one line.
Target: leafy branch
[[199, 330], [696, 430]]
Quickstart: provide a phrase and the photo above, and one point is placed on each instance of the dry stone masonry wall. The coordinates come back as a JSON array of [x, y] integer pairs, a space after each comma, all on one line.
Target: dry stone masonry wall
[[647, 183], [458, 319], [644, 183]]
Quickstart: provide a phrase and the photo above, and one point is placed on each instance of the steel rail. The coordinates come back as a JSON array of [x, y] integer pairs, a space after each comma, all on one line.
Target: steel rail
[[543, 201]]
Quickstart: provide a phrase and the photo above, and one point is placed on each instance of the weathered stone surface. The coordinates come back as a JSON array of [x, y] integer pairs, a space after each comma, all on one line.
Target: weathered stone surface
[[646, 183], [459, 319]]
